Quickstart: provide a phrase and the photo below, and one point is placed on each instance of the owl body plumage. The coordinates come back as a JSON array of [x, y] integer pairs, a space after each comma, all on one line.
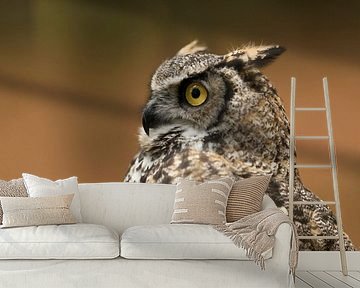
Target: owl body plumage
[[240, 130]]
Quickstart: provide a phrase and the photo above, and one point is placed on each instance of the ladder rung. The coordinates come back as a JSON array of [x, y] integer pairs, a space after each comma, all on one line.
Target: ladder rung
[[318, 237], [311, 137], [314, 202], [310, 109], [312, 166]]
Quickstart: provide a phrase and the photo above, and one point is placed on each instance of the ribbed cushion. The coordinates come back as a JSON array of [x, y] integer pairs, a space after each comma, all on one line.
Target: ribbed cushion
[[12, 188], [203, 203], [27, 211], [72, 241], [246, 197]]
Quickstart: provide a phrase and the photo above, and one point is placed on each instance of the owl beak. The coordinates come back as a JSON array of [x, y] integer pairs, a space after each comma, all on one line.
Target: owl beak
[[148, 120], [145, 124]]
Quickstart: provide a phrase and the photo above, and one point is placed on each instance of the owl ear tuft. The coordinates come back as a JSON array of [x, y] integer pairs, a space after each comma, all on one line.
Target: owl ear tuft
[[192, 48], [253, 56]]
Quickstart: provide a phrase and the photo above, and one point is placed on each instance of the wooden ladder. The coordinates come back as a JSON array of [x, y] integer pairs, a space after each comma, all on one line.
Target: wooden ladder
[[332, 166]]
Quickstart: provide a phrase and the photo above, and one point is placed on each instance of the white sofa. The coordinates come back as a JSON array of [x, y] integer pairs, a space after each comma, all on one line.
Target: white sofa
[[122, 205]]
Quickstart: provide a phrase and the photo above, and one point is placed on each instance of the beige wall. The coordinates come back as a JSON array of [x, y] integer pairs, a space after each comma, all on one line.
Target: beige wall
[[74, 76]]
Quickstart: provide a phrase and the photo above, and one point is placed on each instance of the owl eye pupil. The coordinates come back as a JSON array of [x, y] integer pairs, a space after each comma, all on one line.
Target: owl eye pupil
[[195, 93]]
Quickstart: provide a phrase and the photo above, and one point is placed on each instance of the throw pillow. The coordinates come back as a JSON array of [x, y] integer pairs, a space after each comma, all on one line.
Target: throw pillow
[[12, 188], [40, 187], [246, 197], [203, 203], [27, 211]]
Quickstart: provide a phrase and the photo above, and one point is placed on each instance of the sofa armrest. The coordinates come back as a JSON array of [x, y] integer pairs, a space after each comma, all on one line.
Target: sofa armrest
[[282, 244], [281, 252]]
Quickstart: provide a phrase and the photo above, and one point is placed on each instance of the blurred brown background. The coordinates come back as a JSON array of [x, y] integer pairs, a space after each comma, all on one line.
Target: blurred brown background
[[74, 76]]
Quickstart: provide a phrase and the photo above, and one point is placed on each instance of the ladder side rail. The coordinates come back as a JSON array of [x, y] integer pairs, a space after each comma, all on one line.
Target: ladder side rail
[[334, 178], [292, 149]]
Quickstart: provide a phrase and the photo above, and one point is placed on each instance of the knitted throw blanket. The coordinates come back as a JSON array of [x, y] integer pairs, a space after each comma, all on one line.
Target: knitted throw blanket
[[256, 234]]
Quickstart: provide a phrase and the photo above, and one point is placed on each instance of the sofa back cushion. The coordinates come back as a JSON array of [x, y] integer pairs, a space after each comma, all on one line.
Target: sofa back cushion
[[121, 205]]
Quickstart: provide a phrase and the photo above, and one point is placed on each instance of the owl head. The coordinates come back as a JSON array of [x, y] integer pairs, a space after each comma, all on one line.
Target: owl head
[[206, 91]]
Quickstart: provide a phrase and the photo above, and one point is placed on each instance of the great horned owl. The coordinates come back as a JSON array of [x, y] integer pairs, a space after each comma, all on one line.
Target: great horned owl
[[218, 115]]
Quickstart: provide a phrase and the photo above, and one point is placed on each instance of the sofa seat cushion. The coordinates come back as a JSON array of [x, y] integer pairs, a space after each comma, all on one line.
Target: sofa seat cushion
[[73, 241], [180, 241]]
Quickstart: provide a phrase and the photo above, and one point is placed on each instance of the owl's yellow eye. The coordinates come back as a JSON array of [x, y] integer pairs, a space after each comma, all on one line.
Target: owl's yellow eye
[[196, 94]]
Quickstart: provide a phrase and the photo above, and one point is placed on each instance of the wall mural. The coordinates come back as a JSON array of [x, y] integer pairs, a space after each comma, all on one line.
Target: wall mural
[[74, 78], [217, 115]]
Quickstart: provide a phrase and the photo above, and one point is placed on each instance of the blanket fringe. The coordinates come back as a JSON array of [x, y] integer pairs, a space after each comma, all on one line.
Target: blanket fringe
[[256, 235], [240, 243]]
